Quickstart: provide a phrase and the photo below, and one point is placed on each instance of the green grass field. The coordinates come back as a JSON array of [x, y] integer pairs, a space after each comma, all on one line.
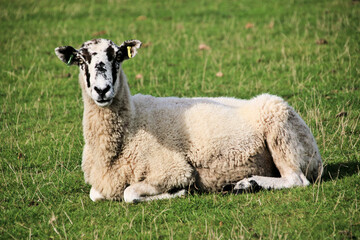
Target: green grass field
[[307, 52]]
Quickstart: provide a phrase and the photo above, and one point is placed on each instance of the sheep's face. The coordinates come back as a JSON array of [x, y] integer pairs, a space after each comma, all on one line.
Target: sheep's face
[[99, 61]]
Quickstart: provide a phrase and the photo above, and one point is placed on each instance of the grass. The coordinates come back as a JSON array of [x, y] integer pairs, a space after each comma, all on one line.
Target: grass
[[42, 191]]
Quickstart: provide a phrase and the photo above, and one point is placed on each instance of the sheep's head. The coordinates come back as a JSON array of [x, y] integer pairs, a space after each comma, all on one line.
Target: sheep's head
[[100, 62]]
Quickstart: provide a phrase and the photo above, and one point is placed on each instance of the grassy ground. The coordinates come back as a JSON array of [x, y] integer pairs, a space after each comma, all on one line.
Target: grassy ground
[[308, 52]]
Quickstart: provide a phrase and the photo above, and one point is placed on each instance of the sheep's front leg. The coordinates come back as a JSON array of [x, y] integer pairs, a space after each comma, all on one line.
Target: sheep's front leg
[[95, 195], [140, 192]]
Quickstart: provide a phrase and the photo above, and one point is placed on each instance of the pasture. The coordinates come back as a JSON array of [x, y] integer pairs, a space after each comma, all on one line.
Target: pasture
[[306, 51]]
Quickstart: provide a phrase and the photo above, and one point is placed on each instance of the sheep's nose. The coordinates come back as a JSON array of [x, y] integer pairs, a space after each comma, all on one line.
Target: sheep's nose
[[103, 91]]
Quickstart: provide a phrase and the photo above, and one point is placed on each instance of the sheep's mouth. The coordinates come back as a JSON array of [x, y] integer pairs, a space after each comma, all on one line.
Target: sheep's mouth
[[103, 102]]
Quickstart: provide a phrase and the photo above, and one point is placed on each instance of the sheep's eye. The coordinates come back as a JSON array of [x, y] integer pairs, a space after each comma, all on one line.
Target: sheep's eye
[[81, 61], [118, 57]]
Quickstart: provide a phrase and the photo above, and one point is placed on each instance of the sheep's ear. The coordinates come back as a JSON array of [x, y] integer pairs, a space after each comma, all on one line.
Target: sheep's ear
[[68, 55], [129, 48]]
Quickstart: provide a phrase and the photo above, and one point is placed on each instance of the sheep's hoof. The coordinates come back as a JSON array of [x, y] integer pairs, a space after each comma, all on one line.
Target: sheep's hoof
[[247, 185], [95, 195], [131, 196]]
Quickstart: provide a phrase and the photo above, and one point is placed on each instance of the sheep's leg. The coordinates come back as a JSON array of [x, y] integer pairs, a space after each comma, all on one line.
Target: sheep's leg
[[140, 192], [179, 193], [254, 182], [292, 147], [95, 195]]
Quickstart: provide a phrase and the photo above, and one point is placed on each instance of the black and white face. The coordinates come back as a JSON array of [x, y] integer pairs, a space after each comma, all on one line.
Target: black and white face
[[99, 61]]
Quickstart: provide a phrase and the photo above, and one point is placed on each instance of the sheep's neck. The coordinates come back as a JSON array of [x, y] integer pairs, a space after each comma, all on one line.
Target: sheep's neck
[[105, 129]]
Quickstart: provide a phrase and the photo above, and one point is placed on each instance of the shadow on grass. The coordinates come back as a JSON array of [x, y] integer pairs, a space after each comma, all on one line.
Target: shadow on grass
[[340, 170]]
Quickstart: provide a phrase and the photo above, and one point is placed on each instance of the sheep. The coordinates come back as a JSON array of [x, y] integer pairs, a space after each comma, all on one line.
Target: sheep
[[140, 148]]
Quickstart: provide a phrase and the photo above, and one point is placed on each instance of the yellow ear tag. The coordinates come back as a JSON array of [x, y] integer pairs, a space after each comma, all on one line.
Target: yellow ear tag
[[129, 51]]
